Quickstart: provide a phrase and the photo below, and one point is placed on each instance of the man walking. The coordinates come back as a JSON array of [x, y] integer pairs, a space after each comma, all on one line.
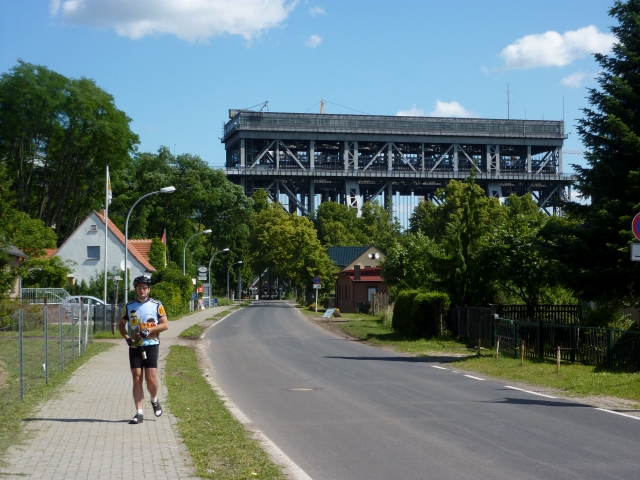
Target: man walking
[[142, 321]]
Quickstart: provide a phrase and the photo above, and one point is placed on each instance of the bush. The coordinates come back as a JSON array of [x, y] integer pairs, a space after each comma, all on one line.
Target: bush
[[171, 298], [175, 278], [418, 313], [402, 310]]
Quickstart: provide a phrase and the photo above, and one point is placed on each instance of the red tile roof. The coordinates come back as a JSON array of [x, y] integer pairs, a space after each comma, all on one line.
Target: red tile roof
[[138, 248]]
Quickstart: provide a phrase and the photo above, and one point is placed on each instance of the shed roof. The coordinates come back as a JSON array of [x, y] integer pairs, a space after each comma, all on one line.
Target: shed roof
[[343, 256]]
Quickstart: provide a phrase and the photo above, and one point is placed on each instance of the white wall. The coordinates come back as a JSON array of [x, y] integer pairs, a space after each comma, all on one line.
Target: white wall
[[75, 248]]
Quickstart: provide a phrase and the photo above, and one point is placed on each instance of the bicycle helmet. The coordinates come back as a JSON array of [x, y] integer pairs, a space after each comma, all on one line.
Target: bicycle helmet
[[142, 279]]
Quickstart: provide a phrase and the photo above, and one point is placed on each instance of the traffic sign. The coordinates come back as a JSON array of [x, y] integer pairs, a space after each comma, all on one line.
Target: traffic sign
[[317, 280], [317, 286], [635, 252], [635, 226]]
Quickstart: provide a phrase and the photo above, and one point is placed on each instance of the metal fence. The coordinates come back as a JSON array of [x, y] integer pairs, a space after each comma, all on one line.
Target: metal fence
[[544, 329], [473, 325], [564, 314], [40, 340], [608, 347]]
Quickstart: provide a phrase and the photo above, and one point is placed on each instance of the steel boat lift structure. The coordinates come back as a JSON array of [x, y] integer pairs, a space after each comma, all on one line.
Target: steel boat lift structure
[[351, 159]]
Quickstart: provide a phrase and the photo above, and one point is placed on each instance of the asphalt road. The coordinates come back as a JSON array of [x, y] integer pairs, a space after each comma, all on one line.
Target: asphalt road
[[342, 410]]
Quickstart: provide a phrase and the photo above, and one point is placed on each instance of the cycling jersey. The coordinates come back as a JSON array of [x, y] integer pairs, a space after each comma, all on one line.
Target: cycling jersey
[[143, 315]]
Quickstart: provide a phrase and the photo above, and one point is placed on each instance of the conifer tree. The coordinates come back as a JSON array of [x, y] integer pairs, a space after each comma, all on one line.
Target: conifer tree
[[593, 254]]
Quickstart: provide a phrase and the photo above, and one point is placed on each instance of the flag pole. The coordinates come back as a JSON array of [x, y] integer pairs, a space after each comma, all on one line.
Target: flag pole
[[107, 200]]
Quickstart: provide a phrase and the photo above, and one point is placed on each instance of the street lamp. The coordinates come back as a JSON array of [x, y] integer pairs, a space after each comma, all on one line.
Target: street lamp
[[238, 262], [219, 251], [184, 252], [126, 238]]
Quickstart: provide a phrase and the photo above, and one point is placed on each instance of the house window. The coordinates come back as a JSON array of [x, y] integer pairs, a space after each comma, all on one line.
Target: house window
[[93, 253], [94, 228]]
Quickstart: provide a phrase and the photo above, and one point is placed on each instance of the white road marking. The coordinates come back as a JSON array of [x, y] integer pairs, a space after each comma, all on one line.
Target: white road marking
[[475, 378], [440, 368], [617, 413], [528, 391]]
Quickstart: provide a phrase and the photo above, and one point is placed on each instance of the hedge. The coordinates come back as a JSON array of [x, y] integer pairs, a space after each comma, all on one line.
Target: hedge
[[418, 313]]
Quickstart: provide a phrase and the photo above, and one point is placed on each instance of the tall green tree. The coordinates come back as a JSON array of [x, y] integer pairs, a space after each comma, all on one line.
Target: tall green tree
[[592, 247], [289, 246], [56, 137], [523, 270], [338, 225]]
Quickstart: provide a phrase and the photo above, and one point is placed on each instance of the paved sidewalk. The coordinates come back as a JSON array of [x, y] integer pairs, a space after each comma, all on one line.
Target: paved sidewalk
[[84, 432]]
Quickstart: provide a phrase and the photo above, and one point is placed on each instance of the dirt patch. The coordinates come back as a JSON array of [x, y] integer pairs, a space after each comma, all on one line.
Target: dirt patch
[[620, 405]]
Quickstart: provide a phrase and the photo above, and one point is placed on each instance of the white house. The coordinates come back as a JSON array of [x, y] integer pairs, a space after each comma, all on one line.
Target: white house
[[86, 247]]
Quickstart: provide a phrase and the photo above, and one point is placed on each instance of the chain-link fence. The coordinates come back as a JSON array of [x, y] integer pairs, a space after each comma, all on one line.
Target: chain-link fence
[[39, 340]]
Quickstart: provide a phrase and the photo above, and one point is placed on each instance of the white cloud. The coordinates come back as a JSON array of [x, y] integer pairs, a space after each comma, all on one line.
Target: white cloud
[[574, 80], [412, 112], [317, 11], [191, 20], [451, 109], [552, 49], [313, 41]]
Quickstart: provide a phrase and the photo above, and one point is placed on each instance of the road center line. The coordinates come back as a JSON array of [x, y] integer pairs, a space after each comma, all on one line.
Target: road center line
[[528, 391]]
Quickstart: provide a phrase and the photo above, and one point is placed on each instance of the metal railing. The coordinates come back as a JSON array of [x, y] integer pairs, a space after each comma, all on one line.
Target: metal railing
[[470, 127], [406, 173], [38, 295]]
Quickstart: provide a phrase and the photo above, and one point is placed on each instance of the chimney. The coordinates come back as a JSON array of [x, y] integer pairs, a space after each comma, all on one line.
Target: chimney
[[356, 272]]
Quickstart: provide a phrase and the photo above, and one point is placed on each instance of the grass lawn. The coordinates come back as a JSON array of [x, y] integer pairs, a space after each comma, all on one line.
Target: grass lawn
[[572, 379], [219, 445]]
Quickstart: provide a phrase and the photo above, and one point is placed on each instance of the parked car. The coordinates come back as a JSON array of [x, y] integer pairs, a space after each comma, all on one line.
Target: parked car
[[87, 299]]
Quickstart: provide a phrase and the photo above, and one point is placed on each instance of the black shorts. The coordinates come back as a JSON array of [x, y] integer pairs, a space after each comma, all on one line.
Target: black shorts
[[135, 357]]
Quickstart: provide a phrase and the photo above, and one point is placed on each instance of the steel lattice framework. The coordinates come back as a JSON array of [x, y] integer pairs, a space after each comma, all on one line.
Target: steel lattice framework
[[351, 159]]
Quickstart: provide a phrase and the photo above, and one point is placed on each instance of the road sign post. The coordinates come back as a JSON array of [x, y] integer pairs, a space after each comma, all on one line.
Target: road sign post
[[316, 287]]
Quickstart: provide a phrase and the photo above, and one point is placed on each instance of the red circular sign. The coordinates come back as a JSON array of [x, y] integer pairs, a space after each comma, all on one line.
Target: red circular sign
[[635, 226]]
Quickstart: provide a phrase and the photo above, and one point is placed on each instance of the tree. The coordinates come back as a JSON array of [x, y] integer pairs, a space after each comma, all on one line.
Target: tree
[[592, 246], [378, 225], [28, 234], [157, 254], [522, 269], [411, 263], [46, 273], [289, 246], [461, 224], [204, 199], [55, 135], [338, 225]]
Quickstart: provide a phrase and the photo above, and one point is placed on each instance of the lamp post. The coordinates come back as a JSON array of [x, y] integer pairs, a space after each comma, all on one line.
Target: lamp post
[[219, 251], [238, 262], [126, 238], [184, 252]]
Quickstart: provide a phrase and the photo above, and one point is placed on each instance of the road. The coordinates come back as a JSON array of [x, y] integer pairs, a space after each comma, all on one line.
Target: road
[[347, 411]]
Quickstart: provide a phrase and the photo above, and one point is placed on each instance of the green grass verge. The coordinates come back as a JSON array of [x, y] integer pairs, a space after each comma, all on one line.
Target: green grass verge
[[572, 379], [193, 332], [219, 445], [15, 411]]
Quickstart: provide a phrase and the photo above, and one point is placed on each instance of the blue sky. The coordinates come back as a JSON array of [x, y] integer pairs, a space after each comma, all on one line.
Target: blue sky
[[177, 66]]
